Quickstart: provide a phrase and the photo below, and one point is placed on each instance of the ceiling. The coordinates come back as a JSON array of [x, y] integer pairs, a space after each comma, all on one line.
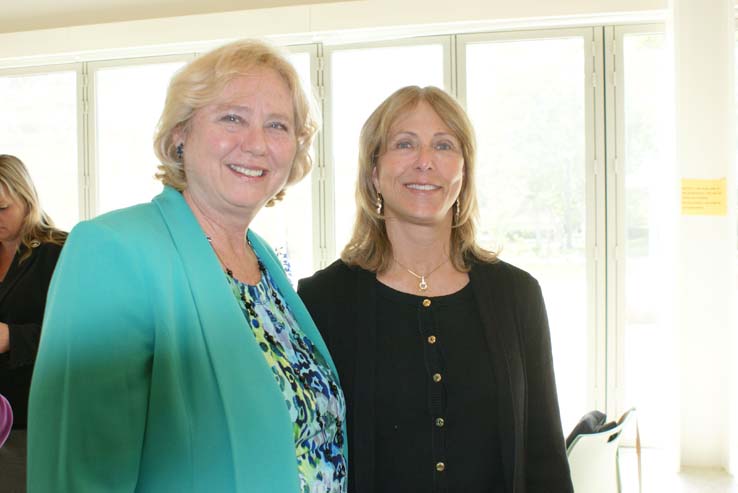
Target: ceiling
[[29, 15]]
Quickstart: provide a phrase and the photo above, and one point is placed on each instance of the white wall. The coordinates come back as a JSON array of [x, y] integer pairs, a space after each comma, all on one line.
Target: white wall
[[703, 48], [303, 23]]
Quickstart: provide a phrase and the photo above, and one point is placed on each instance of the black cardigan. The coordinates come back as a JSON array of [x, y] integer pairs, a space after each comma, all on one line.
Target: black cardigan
[[341, 300], [22, 302]]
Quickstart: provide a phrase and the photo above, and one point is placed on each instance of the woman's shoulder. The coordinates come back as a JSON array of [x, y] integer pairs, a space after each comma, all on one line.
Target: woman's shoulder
[[333, 275], [503, 272], [136, 222]]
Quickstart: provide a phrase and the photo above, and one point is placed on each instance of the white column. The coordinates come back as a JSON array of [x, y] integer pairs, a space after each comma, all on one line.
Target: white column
[[703, 37]]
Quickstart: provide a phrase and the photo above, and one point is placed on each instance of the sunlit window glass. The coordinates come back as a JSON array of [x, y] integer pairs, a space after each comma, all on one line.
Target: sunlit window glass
[[38, 124], [645, 105], [128, 103], [526, 100], [360, 80]]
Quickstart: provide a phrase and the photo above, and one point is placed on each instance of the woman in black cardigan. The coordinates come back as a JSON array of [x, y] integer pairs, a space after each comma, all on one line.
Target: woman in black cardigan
[[443, 350], [29, 248]]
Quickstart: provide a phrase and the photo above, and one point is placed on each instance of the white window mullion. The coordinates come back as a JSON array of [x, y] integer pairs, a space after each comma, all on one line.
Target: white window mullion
[[597, 224]]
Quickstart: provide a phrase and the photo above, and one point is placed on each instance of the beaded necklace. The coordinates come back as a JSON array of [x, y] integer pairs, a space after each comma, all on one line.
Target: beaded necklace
[[262, 271]]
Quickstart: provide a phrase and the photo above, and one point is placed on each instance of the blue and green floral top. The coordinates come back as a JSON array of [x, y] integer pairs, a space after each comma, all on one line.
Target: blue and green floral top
[[311, 392]]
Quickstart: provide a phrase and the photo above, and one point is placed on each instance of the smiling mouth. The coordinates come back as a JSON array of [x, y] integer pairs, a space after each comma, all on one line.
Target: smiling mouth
[[254, 173], [423, 187]]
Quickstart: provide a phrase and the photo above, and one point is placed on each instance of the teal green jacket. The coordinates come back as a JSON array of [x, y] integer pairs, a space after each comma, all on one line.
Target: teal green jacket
[[147, 378]]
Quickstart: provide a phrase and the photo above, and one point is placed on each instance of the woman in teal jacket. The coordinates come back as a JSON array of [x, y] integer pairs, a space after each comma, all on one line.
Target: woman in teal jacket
[[175, 354]]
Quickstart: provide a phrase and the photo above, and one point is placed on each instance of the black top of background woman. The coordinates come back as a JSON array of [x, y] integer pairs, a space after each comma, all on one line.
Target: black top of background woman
[[29, 248]]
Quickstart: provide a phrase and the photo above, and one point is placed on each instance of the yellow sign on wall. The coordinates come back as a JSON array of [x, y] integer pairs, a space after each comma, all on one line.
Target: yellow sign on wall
[[704, 197]]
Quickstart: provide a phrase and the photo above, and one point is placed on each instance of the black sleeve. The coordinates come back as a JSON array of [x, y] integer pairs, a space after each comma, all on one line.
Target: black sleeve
[[329, 296], [547, 463], [25, 304]]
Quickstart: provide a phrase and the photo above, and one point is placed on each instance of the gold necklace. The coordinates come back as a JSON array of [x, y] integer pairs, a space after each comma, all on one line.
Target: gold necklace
[[422, 285]]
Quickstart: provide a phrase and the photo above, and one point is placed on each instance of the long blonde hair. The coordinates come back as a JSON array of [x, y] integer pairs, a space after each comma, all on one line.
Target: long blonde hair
[[200, 82], [369, 246], [37, 226]]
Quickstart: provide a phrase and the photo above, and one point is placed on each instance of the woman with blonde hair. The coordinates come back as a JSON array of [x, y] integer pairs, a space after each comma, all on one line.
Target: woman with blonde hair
[[29, 249], [443, 350], [176, 356]]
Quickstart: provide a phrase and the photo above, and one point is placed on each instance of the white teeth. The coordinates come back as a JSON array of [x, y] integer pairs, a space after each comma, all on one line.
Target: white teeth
[[416, 186], [246, 171]]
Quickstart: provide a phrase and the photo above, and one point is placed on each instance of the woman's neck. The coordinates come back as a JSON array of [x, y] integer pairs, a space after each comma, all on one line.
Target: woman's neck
[[8, 249], [420, 248], [227, 238]]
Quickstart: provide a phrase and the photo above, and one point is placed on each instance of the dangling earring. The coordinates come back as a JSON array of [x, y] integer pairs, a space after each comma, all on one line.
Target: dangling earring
[[379, 203], [180, 151], [457, 207]]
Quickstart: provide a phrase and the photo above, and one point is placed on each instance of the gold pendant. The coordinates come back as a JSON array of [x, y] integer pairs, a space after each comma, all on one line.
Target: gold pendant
[[422, 284]]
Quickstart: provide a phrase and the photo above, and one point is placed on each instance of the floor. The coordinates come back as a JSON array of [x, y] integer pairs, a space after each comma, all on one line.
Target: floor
[[659, 477]]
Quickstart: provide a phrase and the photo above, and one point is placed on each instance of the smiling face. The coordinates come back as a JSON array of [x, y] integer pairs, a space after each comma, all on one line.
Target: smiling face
[[421, 171], [12, 214], [238, 150]]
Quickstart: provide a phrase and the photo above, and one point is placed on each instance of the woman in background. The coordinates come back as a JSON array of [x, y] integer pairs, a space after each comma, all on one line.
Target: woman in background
[[29, 248], [176, 356], [443, 350]]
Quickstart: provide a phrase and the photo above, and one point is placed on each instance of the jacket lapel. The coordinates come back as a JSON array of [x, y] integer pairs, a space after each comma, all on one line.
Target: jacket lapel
[[252, 404]]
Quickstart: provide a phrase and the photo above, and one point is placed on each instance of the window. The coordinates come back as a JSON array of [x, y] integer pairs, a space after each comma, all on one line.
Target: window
[[641, 181], [532, 178], [128, 100], [38, 124], [569, 125]]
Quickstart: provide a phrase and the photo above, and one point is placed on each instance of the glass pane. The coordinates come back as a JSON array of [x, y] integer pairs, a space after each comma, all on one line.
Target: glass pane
[[531, 169], [129, 100], [645, 105], [288, 226], [360, 80], [38, 124]]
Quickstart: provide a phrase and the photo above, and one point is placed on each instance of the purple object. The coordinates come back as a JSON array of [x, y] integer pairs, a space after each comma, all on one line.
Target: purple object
[[6, 419]]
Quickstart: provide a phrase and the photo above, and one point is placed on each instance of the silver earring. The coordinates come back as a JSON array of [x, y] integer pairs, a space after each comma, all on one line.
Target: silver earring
[[180, 151], [379, 203], [457, 207]]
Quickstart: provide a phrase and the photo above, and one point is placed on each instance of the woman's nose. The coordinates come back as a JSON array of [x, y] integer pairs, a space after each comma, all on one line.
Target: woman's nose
[[425, 157], [253, 140]]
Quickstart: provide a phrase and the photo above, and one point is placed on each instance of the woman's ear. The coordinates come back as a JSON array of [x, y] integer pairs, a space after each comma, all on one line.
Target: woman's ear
[[375, 180]]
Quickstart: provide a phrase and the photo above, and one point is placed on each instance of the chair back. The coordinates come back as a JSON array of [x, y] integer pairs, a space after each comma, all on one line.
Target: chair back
[[593, 459]]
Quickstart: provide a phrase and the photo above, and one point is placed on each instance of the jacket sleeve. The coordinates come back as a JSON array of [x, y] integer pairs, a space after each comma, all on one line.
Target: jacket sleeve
[[89, 393], [547, 464]]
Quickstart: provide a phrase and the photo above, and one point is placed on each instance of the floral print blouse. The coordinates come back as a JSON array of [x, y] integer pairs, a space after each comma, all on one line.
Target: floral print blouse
[[311, 393]]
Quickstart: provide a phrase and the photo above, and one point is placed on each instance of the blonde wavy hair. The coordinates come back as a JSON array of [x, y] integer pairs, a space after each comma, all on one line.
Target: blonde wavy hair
[[369, 247], [37, 227], [200, 83]]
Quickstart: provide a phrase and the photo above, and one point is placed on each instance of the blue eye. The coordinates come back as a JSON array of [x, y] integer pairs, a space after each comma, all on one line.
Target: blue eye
[[278, 126], [404, 144], [444, 146], [231, 118]]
